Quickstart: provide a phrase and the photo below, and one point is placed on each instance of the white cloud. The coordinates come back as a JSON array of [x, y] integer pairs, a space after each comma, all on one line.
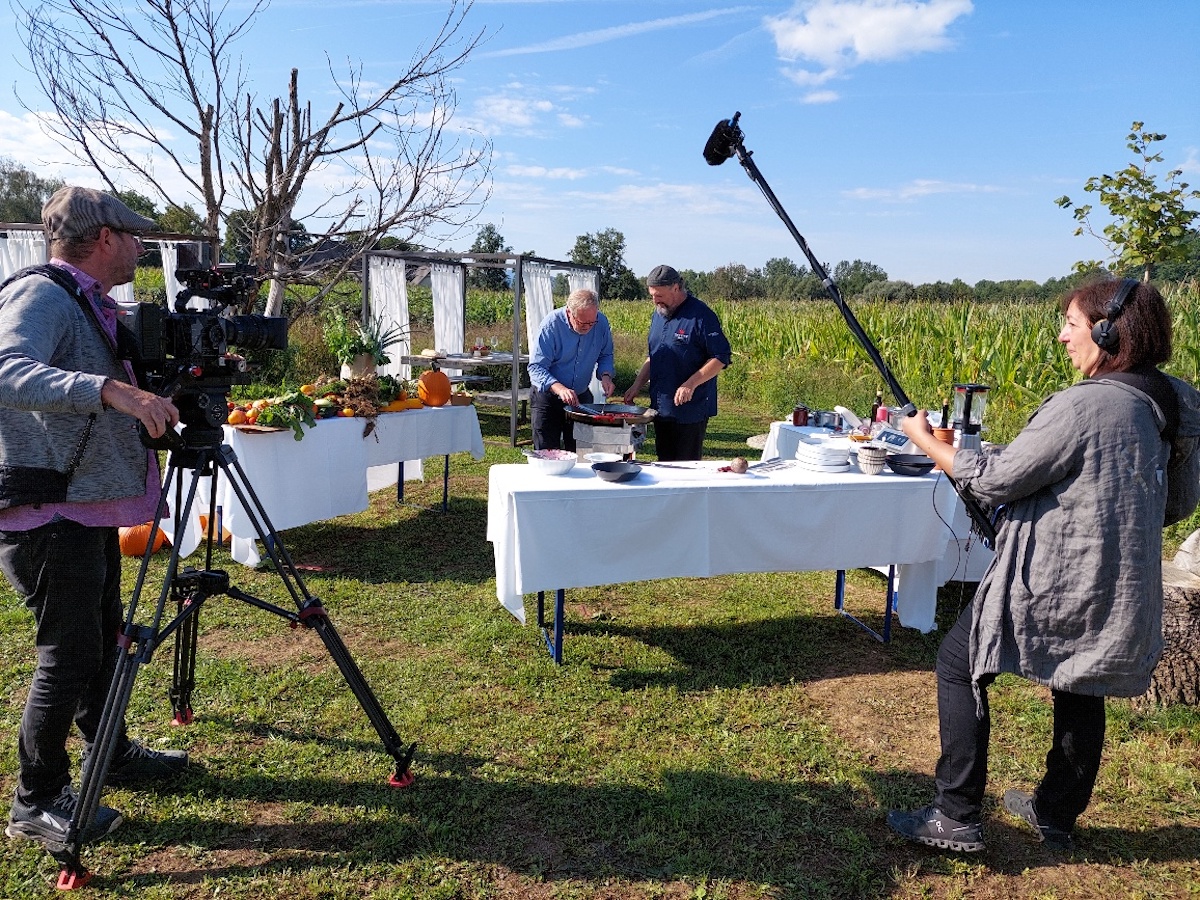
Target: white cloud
[[921, 187], [618, 32], [821, 97], [506, 113], [837, 35], [562, 172], [1192, 163]]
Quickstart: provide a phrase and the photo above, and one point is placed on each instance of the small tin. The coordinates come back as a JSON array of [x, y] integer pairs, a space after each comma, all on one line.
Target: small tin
[[800, 415]]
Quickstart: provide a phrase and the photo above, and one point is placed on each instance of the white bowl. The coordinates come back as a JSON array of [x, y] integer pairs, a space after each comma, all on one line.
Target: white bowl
[[552, 462], [603, 457]]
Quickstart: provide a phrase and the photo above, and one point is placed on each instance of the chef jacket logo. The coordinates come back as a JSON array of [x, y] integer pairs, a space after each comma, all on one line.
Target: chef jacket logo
[[682, 336]]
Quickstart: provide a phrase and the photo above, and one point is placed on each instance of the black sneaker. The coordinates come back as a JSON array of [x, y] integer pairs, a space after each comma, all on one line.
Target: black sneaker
[[933, 828], [140, 765], [48, 823], [1020, 804]]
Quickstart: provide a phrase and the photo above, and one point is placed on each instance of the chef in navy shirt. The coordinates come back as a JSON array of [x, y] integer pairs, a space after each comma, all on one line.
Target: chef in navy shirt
[[687, 350], [573, 342]]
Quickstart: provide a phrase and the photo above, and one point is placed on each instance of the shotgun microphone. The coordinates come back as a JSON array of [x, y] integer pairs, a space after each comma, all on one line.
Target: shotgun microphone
[[723, 141]]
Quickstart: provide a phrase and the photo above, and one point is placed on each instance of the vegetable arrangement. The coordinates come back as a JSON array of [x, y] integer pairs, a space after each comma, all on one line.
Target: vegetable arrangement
[[293, 410], [365, 397]]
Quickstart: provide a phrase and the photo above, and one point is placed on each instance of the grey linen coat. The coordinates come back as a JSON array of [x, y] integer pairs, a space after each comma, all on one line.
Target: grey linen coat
[[1073, 599]]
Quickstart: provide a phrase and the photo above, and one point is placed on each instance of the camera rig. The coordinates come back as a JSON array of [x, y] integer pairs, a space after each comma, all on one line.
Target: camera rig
[[184, 352]]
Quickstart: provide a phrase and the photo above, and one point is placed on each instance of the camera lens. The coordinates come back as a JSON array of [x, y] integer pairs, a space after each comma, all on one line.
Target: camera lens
[[257, 332]]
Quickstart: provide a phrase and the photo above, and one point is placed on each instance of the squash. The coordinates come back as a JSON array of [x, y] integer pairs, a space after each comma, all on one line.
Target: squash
[[133, 540], [433, 387]]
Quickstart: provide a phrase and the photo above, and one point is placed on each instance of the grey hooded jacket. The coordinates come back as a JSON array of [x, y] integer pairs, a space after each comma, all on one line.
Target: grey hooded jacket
[[1073, 599], [54, 361]]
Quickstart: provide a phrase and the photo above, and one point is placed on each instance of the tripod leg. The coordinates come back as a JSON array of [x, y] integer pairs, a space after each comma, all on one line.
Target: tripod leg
[[135, 646], [319, 621], [184, 679], [313, 615], [73, 873]]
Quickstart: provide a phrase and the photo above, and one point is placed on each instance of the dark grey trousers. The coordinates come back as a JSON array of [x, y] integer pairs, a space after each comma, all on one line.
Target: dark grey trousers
[[1071, 765], [69, 576]]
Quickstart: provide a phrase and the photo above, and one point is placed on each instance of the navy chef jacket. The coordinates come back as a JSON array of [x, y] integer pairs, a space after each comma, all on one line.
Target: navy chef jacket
[[679, 345]]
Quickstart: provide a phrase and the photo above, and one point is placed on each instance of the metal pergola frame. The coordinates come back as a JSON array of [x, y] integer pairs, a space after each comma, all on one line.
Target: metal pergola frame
[[509, 261]]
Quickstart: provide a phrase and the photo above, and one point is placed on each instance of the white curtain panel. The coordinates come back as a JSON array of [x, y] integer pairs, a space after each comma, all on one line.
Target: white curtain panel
[[449, 284], [170, 262], [123, 294], [387, 298], [539, 298], [20, 248], [579, 280]]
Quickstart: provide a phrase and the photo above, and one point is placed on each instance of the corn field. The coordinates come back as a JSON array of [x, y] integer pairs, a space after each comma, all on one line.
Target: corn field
[[803, 352]]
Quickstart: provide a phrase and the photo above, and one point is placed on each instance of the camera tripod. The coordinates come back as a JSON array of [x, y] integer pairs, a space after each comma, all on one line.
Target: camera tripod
[[201, 450]]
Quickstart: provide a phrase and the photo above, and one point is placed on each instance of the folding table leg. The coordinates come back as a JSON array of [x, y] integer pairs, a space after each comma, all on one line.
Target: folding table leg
[[554, 643], [889, 606], [446, 483]]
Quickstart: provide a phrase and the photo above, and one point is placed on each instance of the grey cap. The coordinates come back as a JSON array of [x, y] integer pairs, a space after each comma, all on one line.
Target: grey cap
[[79, 212], [661, 276]]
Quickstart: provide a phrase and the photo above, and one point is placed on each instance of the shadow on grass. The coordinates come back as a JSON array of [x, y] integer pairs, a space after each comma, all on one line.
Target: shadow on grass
[[755, 653], [798, 838], [406, 545]]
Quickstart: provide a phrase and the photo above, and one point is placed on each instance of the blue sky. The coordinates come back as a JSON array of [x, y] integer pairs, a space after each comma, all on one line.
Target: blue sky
[[929, 138]]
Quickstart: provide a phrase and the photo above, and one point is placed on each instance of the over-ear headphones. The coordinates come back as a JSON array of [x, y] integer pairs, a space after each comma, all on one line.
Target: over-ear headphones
[[1103, 332]]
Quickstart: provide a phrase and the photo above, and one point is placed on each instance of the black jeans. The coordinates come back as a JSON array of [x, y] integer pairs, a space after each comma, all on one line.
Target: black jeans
[[552, 430], [70, 578], [679, 440], [1071, 765]]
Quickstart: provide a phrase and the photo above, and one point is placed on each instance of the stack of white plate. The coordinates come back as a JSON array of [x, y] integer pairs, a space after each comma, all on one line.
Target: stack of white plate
[[827, 455]]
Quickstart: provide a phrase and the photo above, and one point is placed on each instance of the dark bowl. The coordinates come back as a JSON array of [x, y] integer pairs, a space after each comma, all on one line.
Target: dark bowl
[[617, 471], [910, 463]]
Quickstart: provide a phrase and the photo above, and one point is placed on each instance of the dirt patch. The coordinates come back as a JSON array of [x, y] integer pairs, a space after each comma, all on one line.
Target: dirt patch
[[890, 719]]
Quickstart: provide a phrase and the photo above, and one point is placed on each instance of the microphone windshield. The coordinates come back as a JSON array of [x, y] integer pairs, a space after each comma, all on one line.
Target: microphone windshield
[[722, 143]]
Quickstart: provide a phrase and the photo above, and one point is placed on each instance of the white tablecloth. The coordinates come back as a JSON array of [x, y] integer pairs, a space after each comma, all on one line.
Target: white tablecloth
[[699, 522], [330, 471], [965, 559]]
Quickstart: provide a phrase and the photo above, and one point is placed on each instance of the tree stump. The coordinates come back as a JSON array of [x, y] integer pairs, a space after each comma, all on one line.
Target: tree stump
[[1177, 677]]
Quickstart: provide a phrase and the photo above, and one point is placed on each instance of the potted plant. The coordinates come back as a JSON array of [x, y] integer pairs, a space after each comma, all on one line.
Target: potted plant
[[360, 346]]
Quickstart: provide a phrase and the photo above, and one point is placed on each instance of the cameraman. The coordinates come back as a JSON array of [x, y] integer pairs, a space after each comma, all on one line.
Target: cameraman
[[73, 469]]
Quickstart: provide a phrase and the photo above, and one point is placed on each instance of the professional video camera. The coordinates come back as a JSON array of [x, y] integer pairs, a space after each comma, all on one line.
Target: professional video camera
[[185, 354]]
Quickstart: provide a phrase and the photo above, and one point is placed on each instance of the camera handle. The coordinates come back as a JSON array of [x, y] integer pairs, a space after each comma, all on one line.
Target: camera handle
[[190, 589]]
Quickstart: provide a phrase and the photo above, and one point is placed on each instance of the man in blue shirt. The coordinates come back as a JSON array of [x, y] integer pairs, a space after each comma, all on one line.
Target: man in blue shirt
[[687, 350], [573, 342]]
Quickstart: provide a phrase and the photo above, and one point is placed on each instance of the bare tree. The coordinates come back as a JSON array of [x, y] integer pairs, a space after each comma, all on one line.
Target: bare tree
[[401, 173], [122, 79], [125, 80]]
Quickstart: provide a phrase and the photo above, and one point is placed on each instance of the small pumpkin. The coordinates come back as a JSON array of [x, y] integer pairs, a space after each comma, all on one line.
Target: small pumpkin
[[433, 387], [135, 538]]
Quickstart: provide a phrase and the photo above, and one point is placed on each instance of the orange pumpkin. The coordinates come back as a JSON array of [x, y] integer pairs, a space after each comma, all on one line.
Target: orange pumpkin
[[134, 539], [433, 387]]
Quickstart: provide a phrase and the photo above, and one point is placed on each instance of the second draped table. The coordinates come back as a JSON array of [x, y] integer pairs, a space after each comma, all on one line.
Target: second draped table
[[330, 471]]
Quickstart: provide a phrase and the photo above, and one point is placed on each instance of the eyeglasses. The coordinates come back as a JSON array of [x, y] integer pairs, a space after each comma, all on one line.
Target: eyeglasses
[[580, 323]]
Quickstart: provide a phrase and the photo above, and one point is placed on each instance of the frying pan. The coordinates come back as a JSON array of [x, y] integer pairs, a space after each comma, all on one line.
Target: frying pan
[[610, 414]]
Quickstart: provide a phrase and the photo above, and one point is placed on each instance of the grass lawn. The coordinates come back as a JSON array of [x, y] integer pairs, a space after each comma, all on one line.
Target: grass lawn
[[722, 738]]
